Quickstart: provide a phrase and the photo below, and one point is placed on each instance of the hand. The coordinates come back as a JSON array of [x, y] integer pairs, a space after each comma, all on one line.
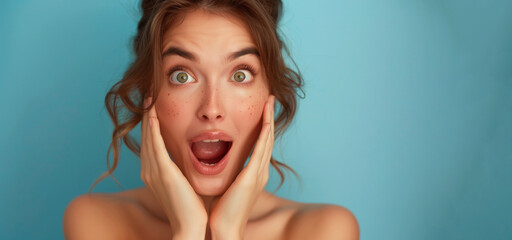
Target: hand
[[230, 213], [183, 207]]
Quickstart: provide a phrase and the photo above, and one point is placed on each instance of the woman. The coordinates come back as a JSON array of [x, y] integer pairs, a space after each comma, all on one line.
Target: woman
[[203, 86]]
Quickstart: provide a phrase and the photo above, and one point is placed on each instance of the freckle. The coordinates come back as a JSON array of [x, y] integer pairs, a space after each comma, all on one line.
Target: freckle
[[168, 94]]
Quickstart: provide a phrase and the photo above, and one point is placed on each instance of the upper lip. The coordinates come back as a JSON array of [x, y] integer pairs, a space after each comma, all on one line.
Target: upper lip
[[210, 135]]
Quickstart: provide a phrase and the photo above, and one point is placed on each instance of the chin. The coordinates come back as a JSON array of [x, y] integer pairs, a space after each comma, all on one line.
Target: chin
[[210, 185]]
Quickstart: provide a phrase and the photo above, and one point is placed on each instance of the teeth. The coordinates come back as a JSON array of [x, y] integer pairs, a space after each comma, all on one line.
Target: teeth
[[211, 140], [208, 164]]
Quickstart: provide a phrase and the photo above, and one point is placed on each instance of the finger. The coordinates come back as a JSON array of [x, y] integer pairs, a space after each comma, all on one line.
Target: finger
[[261, 141], [257, 154], [144, 146], [269, 145], [272, 115], [267, 112], [144, 123], [152, 169], [267, 152], [147, 102], [152, 156], [269, 119], [272, 130], [163, 161]]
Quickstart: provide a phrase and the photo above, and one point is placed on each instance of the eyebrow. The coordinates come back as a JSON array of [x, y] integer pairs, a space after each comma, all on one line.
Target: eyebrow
[[242, 52], [190, 56], [180, 52]]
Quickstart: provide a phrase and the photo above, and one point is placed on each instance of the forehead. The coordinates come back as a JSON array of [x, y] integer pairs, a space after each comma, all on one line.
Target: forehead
[[203, 31]]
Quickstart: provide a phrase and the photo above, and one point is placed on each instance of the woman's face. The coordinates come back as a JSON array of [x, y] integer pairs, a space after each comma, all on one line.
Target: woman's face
[[214, 88]]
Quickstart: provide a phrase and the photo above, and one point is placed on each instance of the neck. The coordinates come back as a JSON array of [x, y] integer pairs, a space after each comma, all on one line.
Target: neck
[[209, 202]]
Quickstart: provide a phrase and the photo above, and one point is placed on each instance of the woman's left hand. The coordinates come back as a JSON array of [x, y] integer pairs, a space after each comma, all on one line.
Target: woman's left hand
[[229, 215]]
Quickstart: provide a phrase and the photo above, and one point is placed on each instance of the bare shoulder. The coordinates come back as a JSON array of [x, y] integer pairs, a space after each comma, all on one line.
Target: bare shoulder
[[322, 221], [95, 216]]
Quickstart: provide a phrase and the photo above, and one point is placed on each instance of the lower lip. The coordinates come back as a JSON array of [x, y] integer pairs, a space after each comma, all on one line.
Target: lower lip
[[209, 170]]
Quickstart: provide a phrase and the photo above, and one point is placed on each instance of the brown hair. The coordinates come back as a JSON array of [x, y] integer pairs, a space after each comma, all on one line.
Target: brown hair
[[124, 100]]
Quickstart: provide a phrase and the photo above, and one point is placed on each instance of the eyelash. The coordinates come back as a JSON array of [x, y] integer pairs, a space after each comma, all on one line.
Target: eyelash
[[173, 69], [247, 67]]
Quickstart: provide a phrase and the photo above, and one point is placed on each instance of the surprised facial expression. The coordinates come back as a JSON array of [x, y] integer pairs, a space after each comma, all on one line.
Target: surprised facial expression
[[211, 101]]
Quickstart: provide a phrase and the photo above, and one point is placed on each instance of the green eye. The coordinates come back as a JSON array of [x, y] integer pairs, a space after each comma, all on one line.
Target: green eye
[[239, 76], [242, 76], [181, 77]]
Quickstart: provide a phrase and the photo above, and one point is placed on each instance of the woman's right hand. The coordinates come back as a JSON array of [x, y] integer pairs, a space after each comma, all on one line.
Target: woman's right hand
[[183, 207]]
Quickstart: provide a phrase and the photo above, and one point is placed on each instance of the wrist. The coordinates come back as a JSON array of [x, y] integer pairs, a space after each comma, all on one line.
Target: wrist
[[226, 237], [228, 234], [189, 235], [196, 232]]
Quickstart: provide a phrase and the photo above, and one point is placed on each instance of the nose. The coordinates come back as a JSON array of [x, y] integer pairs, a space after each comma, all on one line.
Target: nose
[[211, 108]]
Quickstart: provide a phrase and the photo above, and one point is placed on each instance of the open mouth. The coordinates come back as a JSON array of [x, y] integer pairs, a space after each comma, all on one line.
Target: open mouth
[[210, 151]]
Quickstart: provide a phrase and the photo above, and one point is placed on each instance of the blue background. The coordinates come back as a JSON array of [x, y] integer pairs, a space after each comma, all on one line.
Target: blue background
[[407, 120]]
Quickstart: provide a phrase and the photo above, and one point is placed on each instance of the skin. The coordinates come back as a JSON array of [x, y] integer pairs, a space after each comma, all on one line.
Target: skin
[[209, 98], [213, 100], [177, 200]]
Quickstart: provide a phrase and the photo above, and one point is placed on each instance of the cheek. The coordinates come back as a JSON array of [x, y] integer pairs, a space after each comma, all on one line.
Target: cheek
[[250, 111], [172, 108], [168, 110], [172, 116], [252, 108], [248, 120]]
